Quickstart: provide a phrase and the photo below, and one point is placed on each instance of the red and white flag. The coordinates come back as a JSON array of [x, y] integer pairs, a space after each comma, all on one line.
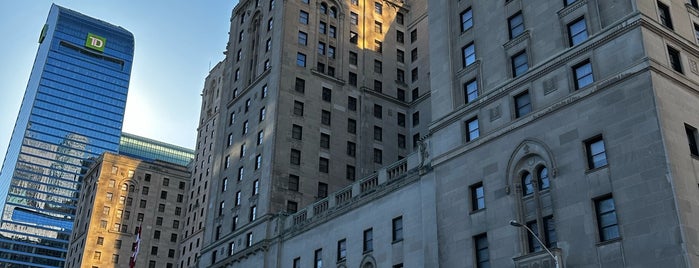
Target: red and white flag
[[136, 245]]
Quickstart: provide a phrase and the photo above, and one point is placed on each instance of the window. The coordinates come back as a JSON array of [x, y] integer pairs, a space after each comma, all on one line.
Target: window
[[477, 197], [300, 86], [400, 77], [378, 86], [230, 139], [322, 190], [692, 139], [596, 154], [516, 24], [245, 127], [675, 60], [397, 225], [400, 37], [400, 56], [260, 137], [368, 244], [256, 187], [322, 27], [401, 119], [303, 17], [694, 3], [296, 132], [325, 117], [413, 55], [243, 150], [378, 66], [291, 206], [606, 218], [321, 51], [351, 149], [696, 31], [163, 194], [341, 250], [413, 36], [351, 103], [568, 2], [301, 59], [297, 263], [97, 255], [293, 184], [378, 46], [100, 240], [298, 108], [161, 207], [352, 58], [577, 31], [295, 157], [468, 53], [323, 165], [482, 254], [378, 111], [332, 31], [532, 243], [354, 18], [523, 104], [268, 46], [248, 238], [470, 91], [318, 257], [472, 129], [520, 63], [378, 133], [258, 162], [527, 185], [378, 156], [583, 74], [352, 79], [416, 118], [378, 8], [324, 141], [400, 18], [664, 13], [414, 74], [350, 172], [327, 94], [263, 113], [221, 207], [550, 232], [416, 139], [145, 190], [351, 126], [466, 19], [378, 27], [241, 171], [253, 213]]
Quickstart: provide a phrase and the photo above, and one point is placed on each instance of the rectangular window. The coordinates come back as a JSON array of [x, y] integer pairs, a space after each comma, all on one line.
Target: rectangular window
[[400, 77], [351, 149], [324, 141], [397, 225], [378, 46], [354, 37], [400, 56], [296, 132], [472, 131], [300, 86], [354, 18], [482, 254], [692, 139], [696, 31], [413, 55], [378, 111], [400, 37], [523, 104], [341, 250], [378, 133], [413, 36], [368, 242], [258, 162], [351, 103], [260, 137], [327, 94], [303, 17], [253, 213], [378, 156], [297, 263], [352, 58], [470, 91], [577, 31], [520, 63], [378, 86], [318, 258], [350, 172], [263, 114], [550, 232], [378, 66], [401, 141], [295, 157], [325, 117], [351, 126], [322, 190], [323, 165], [416, 118], [298, 108], [664, 13], [675, 59], [378, 27], [466, 19], [583, 74], [321, 49], [477, 197], [291, 206], [596, 153], [532, 243], [414, 74], [301, 59], [352, 79], [401, 119], [468, 53], [516, 25], [378, 8], [293, 183], [606, 218], [322, 27]]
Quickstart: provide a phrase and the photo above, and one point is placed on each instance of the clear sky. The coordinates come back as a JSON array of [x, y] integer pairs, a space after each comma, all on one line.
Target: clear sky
[[177, 41]]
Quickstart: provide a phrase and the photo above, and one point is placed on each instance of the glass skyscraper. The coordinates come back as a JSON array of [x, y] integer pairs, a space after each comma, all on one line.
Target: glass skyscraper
[[72, 111]]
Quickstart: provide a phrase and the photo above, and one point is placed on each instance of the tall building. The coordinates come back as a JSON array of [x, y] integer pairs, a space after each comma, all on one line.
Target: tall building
[[122, 194], [72, 111], [569, 125], [312, 96]]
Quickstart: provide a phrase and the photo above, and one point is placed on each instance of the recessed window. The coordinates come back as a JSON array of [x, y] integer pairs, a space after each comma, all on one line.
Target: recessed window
[[401, 141], [327, 94], [303, 17], [413, 36], [378, 86], [297, 132], [416, 118], [378, 46], [527, 185], [352, 58], [323, 165], [351, 126], [378, 66], [675, 59], [300, 85], [516, 24], [606, 218], [322, 190], [694, 3], [544, 182], [378, 8], [325, 117], [318, 258], [291, 206], [523, 104], [368, 241], [577, 31], [321, 51], [400, 37], [664, 14], [466, 19], [378, 27], [293, 184], [298, 108], [378, 156], [378, 133], [583, 74], [568, 2], [351, 149], [295, 157], [692, 139], [397, 232], [470, 91], [324, 141], [469, 54], [596, 153], [520, 63], [477, 197], [400, 56], [696, 31], [378, 111], [482, 255], [354, 18], [341, 250], [472, 131], [401, 119]]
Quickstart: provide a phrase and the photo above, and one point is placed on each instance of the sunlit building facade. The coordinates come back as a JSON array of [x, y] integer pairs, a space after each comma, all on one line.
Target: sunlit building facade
[[72, 112], [122, 193]]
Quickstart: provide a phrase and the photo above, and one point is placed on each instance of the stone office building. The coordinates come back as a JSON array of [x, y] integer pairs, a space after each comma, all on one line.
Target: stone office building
[[577, 119]]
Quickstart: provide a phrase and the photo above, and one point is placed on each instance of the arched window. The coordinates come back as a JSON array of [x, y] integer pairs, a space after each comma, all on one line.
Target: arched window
[[323, 8], [124, 187], [368, 265], [527, 186], [333, 12], [543, 175], [132, 188]]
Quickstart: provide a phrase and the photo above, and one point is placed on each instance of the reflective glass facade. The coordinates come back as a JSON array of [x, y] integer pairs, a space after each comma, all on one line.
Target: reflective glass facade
[[152, 150], [72, 111]]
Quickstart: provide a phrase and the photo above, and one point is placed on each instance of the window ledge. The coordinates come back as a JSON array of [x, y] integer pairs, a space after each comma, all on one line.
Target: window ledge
[[397, 241], [607, 242], [476, 211], [593, 170]]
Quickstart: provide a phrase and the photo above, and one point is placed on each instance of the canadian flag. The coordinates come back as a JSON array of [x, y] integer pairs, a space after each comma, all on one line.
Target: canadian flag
[[136, 245]]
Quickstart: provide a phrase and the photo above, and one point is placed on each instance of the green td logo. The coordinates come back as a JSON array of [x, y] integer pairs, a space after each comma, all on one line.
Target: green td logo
[[95, 42]]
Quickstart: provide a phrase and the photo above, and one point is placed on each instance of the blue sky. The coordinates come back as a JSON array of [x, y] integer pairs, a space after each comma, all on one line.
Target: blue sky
[[177, 41]]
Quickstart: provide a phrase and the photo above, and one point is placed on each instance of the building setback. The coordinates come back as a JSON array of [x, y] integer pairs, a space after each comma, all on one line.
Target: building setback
[[121, 194], [577, 119], [72, 111]]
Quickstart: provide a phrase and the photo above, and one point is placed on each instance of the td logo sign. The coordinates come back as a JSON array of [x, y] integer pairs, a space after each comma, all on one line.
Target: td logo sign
[[95, 42]]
